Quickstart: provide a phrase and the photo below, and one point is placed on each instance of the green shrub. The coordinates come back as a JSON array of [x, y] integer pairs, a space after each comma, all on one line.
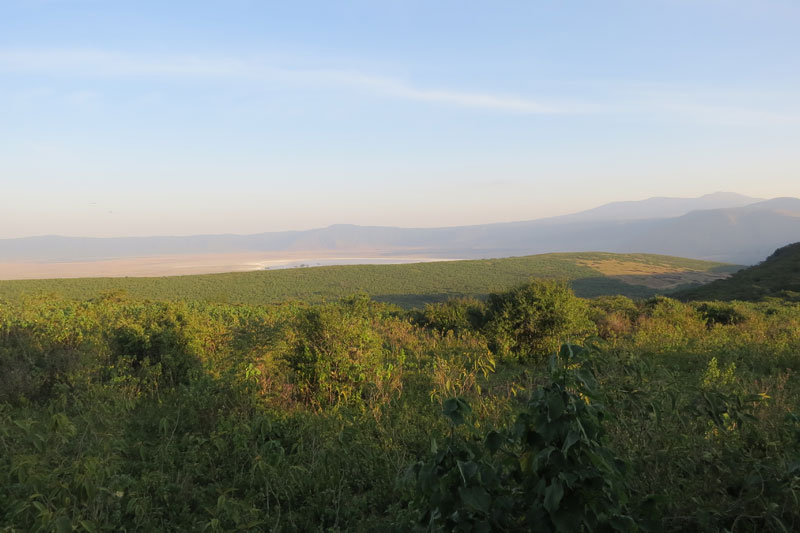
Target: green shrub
[[549, 471], [336, 355], [667, 325], [533, 320], [456, 315], [724, 314], [614, 316], [157, 340]]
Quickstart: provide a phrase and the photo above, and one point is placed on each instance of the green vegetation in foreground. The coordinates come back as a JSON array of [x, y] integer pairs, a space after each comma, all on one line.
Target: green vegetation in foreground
[[409, 285], [120, 414], [776, 277]]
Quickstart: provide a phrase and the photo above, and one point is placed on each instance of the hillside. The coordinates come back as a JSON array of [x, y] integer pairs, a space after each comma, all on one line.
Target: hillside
[[777, 276], [744, 235], [409, 285]]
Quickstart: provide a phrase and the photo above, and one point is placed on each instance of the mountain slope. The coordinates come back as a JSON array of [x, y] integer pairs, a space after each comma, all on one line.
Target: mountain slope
[[662, 207], [741, 234], [777, 276]]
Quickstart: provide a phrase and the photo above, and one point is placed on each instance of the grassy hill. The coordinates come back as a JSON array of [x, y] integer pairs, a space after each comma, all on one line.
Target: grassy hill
[[777, 276], [409, 285]]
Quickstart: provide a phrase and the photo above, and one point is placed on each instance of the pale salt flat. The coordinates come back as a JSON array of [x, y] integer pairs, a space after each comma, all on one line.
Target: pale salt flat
[[176, 265]]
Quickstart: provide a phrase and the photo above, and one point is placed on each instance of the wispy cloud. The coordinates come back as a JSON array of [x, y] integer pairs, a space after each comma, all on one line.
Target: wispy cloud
[[103, 64], [467, 99], [678, 102]]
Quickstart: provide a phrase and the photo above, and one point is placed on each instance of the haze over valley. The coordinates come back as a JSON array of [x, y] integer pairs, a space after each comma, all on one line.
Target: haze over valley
[[723, 227]]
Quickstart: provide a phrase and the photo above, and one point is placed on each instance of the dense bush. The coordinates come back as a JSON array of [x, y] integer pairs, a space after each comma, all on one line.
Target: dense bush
[[336, 356], [456, 315], [120, 414], [725, 314], [531, 321], [615, 316], [548, 471]]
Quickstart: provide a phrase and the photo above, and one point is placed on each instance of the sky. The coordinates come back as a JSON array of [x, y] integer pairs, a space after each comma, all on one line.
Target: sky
[[123, 118]]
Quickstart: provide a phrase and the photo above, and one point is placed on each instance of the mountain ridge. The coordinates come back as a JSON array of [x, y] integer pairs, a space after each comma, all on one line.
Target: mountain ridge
[[739, 232]]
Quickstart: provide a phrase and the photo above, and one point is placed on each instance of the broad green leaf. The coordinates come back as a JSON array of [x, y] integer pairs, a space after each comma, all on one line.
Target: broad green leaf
[[468, 470], [572, 437], [494, 441], [88, 526], [553, 495], [555, 405], [475, 498], [456, 410], [63, 524]]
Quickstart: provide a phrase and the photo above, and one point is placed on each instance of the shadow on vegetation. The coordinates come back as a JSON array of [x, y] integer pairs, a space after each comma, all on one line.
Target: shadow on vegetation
[[412, 301], [608, 286], [357, 416], [589, 287]]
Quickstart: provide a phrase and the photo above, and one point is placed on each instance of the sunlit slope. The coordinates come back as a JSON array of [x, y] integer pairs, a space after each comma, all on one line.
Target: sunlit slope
[[591, 274], [778, 276]]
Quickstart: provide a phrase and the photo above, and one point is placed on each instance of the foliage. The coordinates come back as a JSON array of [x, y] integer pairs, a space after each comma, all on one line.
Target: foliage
[[531, 321], [123, 414], [778, 276], [720, 313], [614, 316], [459, 363], [548, 471], [456, 315], [337, 357]]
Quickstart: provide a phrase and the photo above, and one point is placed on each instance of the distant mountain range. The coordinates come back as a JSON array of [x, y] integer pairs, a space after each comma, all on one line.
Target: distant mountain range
[[661, 207], [720, 227]]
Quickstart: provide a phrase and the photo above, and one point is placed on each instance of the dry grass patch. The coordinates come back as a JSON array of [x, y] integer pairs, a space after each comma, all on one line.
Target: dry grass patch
[[654, 276]]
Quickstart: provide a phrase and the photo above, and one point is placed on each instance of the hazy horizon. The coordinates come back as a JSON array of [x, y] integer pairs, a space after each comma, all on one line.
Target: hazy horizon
[[333, 224], [721, 226], [242, 117]]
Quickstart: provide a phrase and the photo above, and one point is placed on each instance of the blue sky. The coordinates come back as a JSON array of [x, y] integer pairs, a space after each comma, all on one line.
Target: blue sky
[[144, 118]]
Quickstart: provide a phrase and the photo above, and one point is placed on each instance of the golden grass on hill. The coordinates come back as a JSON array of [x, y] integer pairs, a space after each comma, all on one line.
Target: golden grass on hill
[[655, 276]]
